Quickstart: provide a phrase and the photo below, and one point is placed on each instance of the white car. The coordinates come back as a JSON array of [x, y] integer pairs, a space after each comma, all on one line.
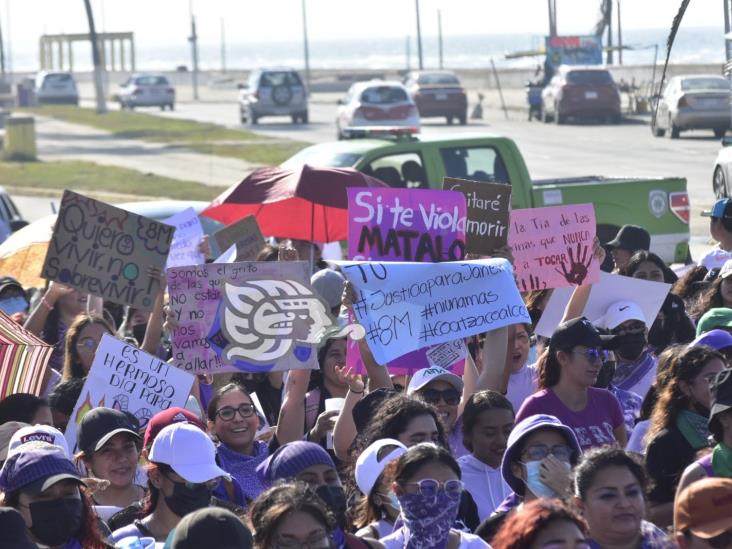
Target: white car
[[146, 90], [722, 177], [376, 103], [56, 87]]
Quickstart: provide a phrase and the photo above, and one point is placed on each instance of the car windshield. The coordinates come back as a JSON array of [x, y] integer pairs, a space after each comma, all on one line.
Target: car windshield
[[57, 78], [693, 84], [323, 158], [437, 78], [380, 95], [279, 79], [589, 78], [151, 81]]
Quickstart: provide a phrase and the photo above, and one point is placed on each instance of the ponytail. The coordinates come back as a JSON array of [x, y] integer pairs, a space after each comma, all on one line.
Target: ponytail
[[549, 368]]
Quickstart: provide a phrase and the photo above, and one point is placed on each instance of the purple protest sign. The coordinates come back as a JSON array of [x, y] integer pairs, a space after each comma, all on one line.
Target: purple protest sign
[[405, 225]]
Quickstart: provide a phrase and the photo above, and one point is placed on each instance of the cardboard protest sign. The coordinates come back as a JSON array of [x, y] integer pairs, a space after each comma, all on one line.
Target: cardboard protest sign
[[409, 306], [128, 379], [251, 317], [106, 251], [489, 207], [609, 289], [245, 234], [184, 249], [553, 247], [23, 359]]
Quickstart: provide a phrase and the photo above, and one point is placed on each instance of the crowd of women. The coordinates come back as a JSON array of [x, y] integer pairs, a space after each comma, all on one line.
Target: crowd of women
[[613, 433]]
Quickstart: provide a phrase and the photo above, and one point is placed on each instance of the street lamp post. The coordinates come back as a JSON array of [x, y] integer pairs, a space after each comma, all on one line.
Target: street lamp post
[[306, 50], [419, 37], [439, 37]]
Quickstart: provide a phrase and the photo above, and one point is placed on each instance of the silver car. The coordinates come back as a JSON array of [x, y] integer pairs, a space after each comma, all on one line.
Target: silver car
[[146, 90], [56, 87], [273, 92], [694, 102]]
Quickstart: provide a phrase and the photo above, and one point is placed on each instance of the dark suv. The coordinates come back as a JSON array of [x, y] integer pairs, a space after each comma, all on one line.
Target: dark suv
[[273, 92], [438, 93], [581, 92]]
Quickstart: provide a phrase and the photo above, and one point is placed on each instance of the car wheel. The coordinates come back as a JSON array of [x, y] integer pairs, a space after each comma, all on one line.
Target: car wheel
[[304, 117], [448, 119], [616, 118], [673, 130], [171, 107], [162, 107], [295, 118], [252, 118], [558, 118], [719, 183], [243, 115], [463, 119], [719, 132], [656, 131]]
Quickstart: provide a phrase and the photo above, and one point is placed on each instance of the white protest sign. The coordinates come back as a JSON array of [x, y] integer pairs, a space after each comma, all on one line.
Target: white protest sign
[[407, 306], [264, 426], [446, 354], [128, 379], [229, 256], [184, 249], [649, 296]]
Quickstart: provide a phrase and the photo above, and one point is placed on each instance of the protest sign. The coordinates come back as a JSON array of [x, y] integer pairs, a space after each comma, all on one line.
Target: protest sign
[[409, 306], [611, 288], [251, 316], [128, 379], [245, 234], [553, 247], [106, 251], [184, 249], [23, 359], [489, 207]]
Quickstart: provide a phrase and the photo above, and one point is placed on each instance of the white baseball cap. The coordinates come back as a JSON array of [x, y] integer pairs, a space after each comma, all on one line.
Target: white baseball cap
[[619, 312], [44, 433], [188, 451], [369, 466], [427, 375]]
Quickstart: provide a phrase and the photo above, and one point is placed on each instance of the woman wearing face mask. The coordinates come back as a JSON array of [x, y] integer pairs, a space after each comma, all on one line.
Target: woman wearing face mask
[[181, 477], [82, 339], [539, 455], [610, 486], [678, 428], [568, 369], [378, 507], [543, 524], [309, 463], [44, 486], [233, 420], [487, 423], [426, 481]]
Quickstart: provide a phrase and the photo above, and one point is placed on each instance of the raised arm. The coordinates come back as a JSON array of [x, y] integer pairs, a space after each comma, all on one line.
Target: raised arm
[[345, 432], [291, 421], [581, 294]]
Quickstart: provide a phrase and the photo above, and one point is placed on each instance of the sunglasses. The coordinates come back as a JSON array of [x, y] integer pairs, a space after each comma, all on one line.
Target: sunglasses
[[537, 452], [451, 397], [592, 355], [430, 487], [227, 413], [88, 343]]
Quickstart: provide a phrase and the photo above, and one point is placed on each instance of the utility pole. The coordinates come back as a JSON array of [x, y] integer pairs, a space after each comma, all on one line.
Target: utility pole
[[98, 81], [2, 55], [610, 58], [408, 46], [620, 37], [552, 5], [727, 6], [223, 46], [193, 39], [419, 37], [9, 38], [439, 37], [306, 50]]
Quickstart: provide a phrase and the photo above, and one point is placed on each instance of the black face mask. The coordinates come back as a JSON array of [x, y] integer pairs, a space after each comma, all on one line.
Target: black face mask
[[186, 500], [630, 346], [56, 521], [138, 332], [335, 498]]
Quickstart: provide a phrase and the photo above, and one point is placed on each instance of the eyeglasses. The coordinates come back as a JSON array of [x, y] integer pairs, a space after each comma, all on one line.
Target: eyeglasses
[[451, 397], [592, 355], [429, 487], [537, 452], [227, 413], [316, 541], [88, 343]]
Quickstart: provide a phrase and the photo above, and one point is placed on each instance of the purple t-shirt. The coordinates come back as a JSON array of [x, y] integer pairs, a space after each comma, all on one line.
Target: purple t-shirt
[[594, 426]]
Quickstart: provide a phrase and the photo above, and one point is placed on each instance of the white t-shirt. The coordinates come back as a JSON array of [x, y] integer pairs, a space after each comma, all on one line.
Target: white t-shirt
[[521, 385], [484, 483], [637, 442], [715, 258], [467, 541]]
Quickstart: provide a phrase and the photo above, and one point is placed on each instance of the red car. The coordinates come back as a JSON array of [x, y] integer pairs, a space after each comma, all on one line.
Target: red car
[[581, 92], [438, 93]]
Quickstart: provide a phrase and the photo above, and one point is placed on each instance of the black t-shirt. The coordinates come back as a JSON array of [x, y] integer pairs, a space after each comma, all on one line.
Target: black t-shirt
[[667, 456]]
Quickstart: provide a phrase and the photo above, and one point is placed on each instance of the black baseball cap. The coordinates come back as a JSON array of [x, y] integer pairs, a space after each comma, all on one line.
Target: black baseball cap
[[15, 533], [212, 527], [578, 331], [101, 424], [721, 389], [631, 238]]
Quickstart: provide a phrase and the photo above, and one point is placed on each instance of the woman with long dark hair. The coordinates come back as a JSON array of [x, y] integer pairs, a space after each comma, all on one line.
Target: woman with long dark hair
[[80, 344]]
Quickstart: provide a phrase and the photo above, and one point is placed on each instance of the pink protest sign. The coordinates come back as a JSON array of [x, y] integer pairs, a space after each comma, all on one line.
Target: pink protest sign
[[406, 225], [553, 247]]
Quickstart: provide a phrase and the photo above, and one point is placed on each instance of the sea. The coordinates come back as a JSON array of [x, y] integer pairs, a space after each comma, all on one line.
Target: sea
[[701, 45]]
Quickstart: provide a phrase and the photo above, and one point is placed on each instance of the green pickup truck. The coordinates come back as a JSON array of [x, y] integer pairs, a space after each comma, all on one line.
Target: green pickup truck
[[661, 205]]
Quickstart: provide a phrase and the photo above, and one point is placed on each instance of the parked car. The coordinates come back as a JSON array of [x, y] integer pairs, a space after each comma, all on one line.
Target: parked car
[[146, 90], [273, 92], [693, 102], [376, 103], [579, 91], [660, 204], [56, 87], [722, 175], [438, 93]]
